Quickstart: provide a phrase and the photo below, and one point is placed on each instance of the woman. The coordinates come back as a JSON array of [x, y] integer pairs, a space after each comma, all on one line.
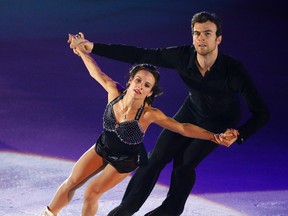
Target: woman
[[119, 149]]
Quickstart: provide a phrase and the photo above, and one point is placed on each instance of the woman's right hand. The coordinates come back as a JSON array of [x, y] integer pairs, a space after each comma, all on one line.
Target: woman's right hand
[[79, 40]]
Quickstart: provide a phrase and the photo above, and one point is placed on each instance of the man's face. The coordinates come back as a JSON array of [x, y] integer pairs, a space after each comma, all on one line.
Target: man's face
[[205, 40]]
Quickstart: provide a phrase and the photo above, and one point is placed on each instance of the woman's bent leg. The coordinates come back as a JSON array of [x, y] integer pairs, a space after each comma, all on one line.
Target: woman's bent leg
[[88, 165], [108, 178]]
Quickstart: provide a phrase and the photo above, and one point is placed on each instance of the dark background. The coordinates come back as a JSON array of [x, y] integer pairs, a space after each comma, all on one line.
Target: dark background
[[51, 106]]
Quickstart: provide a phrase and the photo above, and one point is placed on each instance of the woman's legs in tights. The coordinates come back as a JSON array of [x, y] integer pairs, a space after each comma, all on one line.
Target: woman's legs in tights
[[89, 164], [106, 180]]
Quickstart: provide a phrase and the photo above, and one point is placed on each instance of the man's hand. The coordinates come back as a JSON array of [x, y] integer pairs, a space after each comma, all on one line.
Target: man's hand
[[79, 40], [227, 138]]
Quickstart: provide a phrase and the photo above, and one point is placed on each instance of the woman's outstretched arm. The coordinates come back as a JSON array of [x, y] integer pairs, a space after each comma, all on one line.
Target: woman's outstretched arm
[[191, 130], [94, 70]]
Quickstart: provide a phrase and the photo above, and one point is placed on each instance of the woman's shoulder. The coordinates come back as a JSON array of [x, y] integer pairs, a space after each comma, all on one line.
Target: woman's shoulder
[[150, 110], [152, 113], [114, 96]]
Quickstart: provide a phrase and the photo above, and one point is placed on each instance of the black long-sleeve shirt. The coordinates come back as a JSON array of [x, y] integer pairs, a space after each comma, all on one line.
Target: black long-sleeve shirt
[[213, 97]]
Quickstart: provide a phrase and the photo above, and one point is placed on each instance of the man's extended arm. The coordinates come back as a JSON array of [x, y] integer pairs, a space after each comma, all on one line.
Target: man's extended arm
[[164, 57]]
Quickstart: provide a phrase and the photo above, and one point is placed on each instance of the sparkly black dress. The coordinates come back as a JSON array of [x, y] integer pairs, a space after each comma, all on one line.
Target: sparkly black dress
[[121, 144]]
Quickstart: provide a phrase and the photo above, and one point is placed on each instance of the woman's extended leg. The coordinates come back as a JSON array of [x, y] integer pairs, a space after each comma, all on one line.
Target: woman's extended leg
[[108, 178], [89, 164]]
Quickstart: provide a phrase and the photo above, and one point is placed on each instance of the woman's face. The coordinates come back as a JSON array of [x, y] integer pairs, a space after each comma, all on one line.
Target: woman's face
[[141, 84]]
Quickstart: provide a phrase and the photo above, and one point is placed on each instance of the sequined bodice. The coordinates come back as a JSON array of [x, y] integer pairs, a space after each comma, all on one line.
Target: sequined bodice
[[129, 132]]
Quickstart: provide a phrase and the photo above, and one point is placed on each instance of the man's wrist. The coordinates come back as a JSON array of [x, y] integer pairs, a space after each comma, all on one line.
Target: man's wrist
[[240, 140]]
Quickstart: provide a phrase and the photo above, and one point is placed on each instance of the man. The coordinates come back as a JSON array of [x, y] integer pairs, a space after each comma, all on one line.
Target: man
[[214, 81]]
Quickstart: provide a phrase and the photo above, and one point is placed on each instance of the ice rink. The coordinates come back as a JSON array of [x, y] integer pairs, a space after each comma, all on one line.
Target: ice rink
[[29, 181]]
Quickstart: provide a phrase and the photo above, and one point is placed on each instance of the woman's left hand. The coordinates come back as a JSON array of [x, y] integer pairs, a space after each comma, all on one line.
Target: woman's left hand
[[227, 138]]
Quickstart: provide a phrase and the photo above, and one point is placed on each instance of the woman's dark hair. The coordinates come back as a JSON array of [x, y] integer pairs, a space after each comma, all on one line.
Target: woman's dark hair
[[154, 71], [203, 17]]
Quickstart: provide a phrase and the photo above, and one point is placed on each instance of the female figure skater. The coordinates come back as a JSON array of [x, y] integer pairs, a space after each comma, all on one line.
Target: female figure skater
[[119, 149]]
